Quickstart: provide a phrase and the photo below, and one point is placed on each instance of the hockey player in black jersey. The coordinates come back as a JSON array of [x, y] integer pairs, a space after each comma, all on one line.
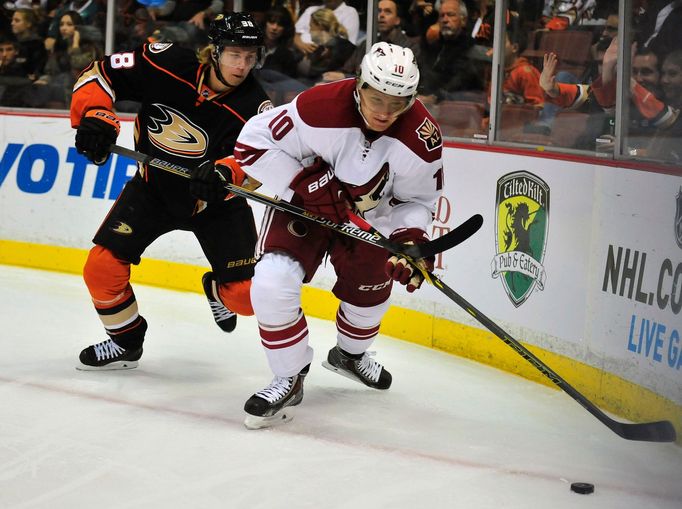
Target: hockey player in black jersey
[[193, 108]]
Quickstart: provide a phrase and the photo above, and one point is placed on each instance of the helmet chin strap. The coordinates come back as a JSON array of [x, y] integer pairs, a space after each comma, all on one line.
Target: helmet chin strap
[[356, 95]]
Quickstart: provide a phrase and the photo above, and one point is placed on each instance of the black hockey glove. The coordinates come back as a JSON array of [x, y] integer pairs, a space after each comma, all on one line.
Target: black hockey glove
[[399, 269], [96, 133], [209, 179]]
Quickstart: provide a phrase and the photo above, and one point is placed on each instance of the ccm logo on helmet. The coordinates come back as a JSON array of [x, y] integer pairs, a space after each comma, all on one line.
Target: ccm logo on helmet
[[321, 182], [394, 84]]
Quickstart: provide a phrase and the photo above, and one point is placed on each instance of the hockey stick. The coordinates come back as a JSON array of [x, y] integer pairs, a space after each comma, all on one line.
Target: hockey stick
[[364, 232], [660, 431]]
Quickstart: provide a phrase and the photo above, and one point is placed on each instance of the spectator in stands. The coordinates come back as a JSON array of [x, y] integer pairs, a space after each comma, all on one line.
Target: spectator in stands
[[521, 79], [609, 31], [31, 49], [133, 28], [13, 76], [278, 72], [649, 116], [389, 27], [447, 71], [671, 78], [77, 45], [57, 78], [666, 144], [592, 72], [279, 34], [87, 10], [645, 71], [295, 7], [9, 49], [332, 46], [347, 16]]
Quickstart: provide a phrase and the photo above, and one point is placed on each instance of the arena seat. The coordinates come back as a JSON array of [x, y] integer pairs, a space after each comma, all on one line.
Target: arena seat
[[460, 119]]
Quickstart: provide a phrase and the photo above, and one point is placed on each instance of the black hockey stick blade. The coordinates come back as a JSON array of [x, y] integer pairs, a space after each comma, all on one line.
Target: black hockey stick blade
[[363, 232], [452, 238], [659, 431]]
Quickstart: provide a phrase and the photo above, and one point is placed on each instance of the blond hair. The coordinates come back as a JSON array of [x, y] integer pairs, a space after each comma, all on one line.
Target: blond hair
[[327, 21], [204, 54]]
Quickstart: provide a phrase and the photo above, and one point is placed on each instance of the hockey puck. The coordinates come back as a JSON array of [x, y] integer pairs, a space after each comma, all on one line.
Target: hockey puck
[[584, 488]]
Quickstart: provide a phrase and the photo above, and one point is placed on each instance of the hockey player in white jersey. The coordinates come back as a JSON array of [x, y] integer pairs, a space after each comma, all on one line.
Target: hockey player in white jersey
[[364, 144]]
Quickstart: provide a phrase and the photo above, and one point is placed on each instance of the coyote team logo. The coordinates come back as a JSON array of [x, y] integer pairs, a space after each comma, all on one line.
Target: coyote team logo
[[678, 219], [521, 225]]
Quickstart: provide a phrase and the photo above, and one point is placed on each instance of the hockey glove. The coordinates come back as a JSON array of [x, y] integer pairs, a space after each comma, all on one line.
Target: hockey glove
[[321, 192], [97, 131], [209, 179], [400, 269]]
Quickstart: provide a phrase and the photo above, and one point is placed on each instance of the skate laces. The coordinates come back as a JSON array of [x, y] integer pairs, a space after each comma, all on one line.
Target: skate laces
[[277, 389], [107, 350], [220, 311], [369, 367]]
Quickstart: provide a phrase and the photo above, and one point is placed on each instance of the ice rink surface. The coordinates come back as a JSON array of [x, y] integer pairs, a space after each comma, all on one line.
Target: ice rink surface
[[450, 433]]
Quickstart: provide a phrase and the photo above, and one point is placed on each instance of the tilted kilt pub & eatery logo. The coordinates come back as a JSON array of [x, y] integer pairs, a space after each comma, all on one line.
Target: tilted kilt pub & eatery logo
[[521, 226]]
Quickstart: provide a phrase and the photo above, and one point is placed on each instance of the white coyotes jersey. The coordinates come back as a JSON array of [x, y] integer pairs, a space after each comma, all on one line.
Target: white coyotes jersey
[[395, 178]]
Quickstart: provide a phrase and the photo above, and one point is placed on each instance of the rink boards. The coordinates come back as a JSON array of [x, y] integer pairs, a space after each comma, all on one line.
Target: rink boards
[[582, 262]]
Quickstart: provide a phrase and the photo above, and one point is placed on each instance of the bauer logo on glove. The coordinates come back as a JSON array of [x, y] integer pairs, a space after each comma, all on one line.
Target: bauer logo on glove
[[321, 193], [96, 134]]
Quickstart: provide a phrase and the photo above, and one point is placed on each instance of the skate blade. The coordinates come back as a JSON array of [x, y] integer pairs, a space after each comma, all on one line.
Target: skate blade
[[256, 422], [342, 372], [114, 366]]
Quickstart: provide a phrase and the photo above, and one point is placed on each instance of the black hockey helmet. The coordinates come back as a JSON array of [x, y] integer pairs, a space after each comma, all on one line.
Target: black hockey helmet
[[235, 29]]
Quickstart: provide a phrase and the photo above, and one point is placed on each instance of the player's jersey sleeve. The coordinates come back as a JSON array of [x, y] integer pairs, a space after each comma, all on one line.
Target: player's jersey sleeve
[[271, 149], [570, 96], [120, 76]]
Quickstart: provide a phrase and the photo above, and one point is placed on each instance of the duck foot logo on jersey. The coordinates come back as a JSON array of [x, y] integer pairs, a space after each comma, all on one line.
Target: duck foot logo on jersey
[[521, 225]]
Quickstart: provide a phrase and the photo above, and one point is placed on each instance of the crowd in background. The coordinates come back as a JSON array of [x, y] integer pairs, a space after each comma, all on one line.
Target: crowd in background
[[45, 44]]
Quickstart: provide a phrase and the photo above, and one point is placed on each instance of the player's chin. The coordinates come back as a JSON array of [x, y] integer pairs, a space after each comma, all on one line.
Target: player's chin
[[236, 79], [380, 125]]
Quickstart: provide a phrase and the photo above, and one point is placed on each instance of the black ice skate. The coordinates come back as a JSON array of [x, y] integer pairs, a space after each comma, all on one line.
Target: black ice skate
[[226, 319], [107, 355], [361, 368], [271, 406]]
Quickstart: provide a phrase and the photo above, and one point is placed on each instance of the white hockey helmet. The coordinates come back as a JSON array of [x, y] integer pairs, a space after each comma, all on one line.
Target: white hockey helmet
[[390, 69]]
